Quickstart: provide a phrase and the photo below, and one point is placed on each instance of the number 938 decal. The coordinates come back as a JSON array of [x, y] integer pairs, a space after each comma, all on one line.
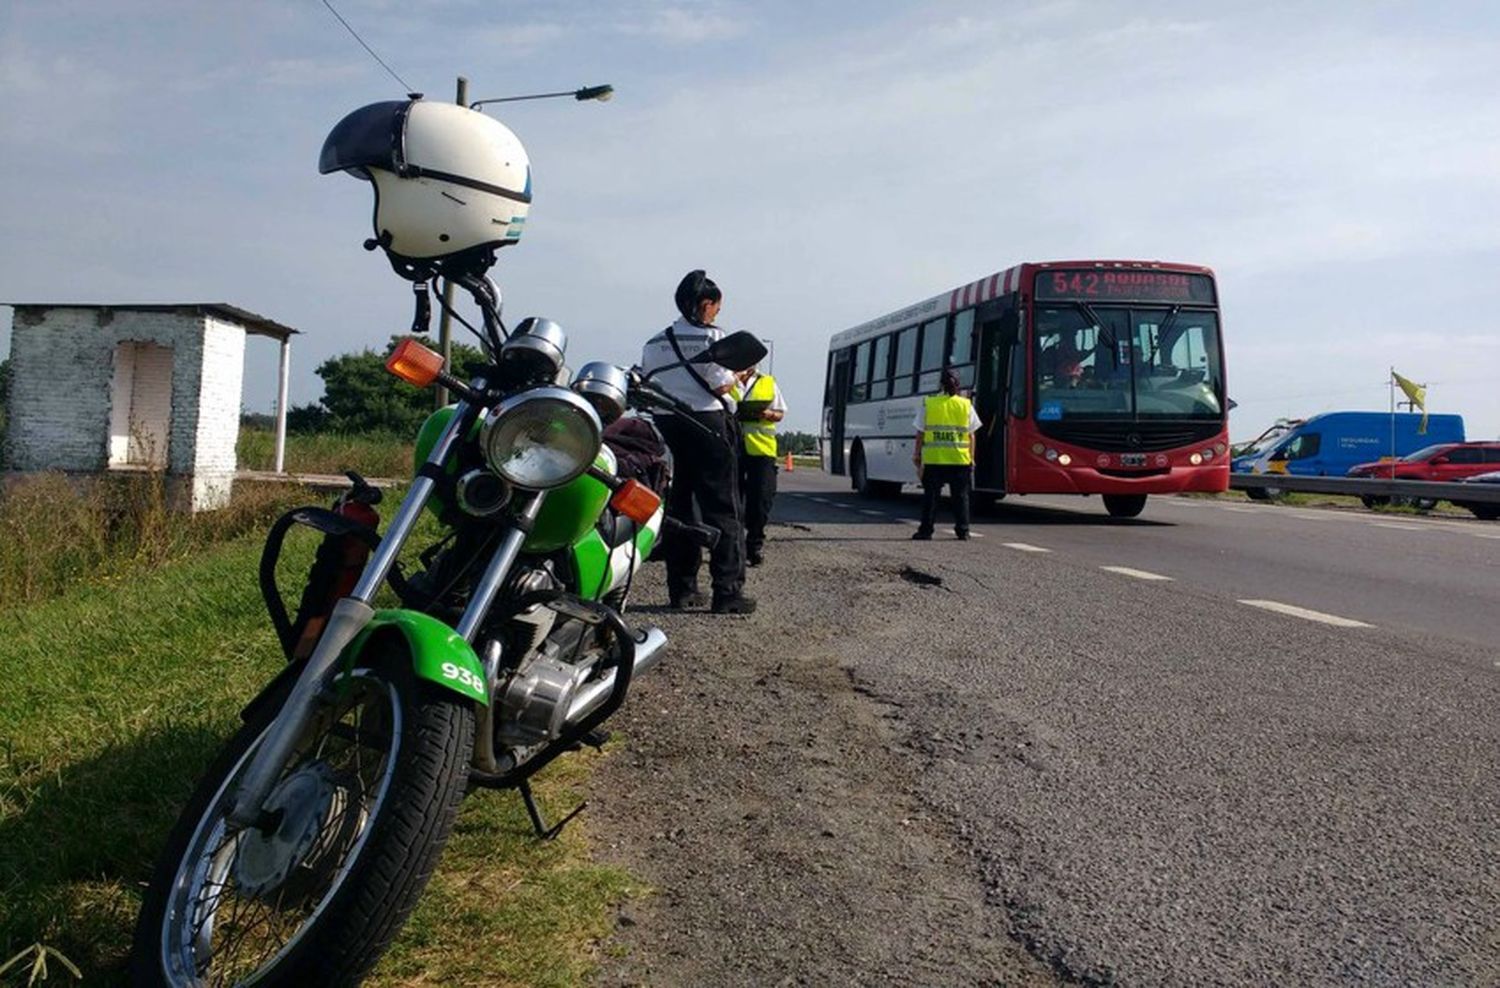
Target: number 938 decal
[[464, 677]]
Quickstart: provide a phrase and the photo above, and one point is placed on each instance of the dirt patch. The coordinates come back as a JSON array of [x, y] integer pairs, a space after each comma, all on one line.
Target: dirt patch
[[770, 801]]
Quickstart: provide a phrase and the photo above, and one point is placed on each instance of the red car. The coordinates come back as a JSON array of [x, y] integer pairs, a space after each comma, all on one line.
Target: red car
[[1450, 462]]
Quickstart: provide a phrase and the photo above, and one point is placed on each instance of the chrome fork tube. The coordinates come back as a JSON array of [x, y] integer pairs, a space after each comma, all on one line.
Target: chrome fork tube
[[397, 532], [473, 619], [349, 617], [499, 568]]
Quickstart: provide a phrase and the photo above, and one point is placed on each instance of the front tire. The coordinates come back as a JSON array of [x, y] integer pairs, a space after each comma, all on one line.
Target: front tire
[[360, 814], [859, 478], [1124, 505], [859, 473]]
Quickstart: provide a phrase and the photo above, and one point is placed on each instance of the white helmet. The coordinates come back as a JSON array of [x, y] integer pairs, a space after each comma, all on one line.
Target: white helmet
[[447, 179]]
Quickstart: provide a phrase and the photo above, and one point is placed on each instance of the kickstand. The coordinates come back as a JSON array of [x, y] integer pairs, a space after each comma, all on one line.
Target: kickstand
[[543, 832]]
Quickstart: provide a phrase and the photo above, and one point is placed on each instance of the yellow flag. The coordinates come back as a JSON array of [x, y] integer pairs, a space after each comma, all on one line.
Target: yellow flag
[[1417, 395]]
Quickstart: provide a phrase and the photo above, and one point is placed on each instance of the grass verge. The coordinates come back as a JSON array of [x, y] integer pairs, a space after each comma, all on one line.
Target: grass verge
[[1297, 499], [372, 454], [118, 694], [57, 532]]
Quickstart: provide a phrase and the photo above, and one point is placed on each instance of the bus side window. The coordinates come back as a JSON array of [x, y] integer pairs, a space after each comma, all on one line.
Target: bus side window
[[934, 348], [880, 376], [859, 379], [1012, 336], [961, 358], [906, 358]]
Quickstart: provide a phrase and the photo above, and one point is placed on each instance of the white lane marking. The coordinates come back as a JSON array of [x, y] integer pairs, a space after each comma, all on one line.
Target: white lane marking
[[872, 512], [1237, 509], [1024, 547], [1138, 574], [976, 535], [1308, 516], [1396, 525], [1304, 613], [908, 521]]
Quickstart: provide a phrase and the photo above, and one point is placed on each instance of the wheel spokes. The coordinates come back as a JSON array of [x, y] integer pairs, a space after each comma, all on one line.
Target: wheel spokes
[[223, 931]]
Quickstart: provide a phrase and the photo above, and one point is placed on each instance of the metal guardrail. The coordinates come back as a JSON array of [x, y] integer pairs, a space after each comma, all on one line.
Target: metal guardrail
[[1366, 487]]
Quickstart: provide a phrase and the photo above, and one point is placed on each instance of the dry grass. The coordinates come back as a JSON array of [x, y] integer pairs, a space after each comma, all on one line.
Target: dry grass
[[57, 531], [372, 454], [132, 636]]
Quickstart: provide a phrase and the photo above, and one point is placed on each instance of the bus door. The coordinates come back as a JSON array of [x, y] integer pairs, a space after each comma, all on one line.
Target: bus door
[[997, 326], [835, 403]]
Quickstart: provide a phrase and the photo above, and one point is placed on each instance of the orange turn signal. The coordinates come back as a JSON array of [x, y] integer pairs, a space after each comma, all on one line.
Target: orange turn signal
[[635, 501], [414, 363]]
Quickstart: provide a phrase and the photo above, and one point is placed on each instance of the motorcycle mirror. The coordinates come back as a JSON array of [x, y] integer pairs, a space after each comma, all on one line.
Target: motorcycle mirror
[[737, 351]]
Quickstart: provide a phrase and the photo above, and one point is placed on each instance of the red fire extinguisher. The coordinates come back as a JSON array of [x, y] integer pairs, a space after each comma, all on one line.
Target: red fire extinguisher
[[336, 566]]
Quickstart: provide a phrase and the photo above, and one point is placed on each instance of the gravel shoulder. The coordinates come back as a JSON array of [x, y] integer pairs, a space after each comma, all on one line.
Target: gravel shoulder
[[772, 801]]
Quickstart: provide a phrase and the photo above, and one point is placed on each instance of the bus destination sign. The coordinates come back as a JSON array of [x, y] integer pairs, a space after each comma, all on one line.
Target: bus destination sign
[[1125, 285]]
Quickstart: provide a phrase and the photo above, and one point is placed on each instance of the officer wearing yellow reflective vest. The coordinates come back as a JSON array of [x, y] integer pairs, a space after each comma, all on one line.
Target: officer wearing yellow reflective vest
[[760, 408], [946, 425]]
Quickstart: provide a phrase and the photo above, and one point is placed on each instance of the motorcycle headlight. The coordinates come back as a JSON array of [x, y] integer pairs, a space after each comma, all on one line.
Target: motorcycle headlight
[[542, 438]]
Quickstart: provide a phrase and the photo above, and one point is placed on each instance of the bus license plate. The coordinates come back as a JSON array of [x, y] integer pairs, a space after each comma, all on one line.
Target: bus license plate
[[1132, 459]]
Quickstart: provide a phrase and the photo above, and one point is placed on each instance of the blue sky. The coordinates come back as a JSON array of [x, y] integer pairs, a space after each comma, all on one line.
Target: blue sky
[[1337, 163]]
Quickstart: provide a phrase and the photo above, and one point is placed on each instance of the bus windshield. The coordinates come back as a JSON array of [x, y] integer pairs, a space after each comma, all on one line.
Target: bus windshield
[[1126, 362]]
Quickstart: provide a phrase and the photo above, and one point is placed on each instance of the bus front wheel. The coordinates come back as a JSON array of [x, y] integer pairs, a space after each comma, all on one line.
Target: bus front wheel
[[859, 478], [1124, 505], [859, 474]]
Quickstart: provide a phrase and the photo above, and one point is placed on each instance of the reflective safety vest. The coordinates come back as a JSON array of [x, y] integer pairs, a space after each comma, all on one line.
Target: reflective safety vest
[[945, 435], [760, 435]]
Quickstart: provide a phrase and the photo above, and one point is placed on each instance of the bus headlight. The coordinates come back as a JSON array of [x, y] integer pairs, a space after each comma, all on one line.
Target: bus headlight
[[542, 438], [1195, 459], [1064, 459]]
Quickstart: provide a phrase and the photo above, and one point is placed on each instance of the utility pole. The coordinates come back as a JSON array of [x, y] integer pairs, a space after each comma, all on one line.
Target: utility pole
[[445, 321]]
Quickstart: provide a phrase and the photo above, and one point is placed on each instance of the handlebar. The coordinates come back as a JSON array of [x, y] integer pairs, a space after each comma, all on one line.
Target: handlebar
[[646, 395]]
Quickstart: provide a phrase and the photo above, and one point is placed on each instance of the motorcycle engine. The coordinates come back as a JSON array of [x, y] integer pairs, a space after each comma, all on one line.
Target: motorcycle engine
[[532, 700]]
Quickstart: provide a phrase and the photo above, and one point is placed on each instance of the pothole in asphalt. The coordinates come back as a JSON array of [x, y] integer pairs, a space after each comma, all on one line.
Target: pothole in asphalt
[[920, 578]]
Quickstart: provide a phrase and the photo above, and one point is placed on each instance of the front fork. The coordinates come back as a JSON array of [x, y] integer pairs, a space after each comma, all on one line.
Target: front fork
[[351, 615]]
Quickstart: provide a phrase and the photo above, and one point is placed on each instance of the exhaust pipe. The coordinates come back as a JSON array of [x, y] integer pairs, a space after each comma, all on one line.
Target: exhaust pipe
[[647, 651]]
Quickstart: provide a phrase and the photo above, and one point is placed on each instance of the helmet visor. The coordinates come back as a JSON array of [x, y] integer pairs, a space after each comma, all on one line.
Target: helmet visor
[[373, 135]]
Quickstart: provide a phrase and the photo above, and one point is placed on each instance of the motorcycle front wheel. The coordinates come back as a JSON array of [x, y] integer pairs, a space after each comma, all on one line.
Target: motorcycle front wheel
[[354, 826]]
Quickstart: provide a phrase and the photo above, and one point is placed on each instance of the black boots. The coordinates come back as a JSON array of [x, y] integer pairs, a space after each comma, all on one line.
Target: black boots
[[734, 604]]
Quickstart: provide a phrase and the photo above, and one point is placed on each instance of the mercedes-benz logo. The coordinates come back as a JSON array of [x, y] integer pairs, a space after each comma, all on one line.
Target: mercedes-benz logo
[[1133, 440]]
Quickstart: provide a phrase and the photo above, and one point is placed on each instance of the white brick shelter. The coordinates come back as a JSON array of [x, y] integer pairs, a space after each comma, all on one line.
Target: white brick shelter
[[136, 387]]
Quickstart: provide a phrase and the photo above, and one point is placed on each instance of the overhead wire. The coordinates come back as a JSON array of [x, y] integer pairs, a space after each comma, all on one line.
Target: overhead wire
[[347, 27]]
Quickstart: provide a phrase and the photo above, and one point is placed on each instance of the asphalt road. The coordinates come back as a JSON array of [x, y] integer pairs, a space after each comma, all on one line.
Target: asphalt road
[[1423, 576], [1174, 785]]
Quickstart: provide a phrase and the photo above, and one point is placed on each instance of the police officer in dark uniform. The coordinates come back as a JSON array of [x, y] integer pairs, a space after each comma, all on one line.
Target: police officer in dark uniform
[[704, 463]]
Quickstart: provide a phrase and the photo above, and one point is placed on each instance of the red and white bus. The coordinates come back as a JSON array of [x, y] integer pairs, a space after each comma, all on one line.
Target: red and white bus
[[1090, 377]]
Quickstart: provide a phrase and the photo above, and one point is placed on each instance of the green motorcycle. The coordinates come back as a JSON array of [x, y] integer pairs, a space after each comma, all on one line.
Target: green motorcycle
[[312, 835]]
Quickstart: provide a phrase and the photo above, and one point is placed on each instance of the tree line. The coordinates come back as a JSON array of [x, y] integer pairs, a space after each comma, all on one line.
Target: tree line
[[360, 396]]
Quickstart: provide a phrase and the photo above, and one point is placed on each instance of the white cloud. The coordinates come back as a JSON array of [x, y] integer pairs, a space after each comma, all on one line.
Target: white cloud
[[681, 24], [829, 164]]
